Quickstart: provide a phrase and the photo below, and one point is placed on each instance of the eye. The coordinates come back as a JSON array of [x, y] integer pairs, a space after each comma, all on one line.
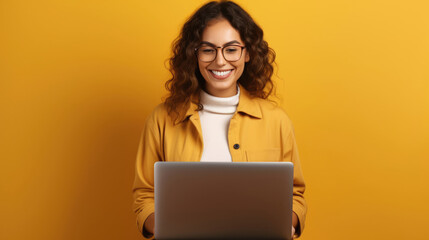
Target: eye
[[207, 50], [231, 49]]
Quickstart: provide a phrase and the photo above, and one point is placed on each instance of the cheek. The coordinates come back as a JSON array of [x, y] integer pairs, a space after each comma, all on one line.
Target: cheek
[[240, 66], [202, 66], [203, 71]]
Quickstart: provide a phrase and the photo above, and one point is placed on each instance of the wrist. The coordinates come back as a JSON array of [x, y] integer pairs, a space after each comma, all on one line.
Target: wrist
[[148, 226]]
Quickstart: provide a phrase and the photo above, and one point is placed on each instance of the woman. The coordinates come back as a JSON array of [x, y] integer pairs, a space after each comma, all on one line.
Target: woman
[[217, 109]]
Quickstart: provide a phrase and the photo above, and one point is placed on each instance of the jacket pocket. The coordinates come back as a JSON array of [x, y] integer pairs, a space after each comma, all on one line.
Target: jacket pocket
[[265, 155]]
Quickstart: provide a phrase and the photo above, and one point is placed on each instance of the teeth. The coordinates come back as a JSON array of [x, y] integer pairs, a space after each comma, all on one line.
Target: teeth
[[221, 73]]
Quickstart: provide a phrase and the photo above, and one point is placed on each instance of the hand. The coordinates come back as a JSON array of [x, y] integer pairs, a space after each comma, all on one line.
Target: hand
[[149, 224], [293, 232], [295, 222]]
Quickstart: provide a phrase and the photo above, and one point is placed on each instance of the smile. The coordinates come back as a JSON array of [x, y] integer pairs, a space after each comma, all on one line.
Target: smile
[[220, 74]]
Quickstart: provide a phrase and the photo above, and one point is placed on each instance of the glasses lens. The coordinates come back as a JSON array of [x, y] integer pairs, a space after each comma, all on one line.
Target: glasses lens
[[232, 53], [206, 54]]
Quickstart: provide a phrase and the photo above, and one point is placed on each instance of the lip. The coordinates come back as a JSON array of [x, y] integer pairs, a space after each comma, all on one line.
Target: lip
[[220, 77]]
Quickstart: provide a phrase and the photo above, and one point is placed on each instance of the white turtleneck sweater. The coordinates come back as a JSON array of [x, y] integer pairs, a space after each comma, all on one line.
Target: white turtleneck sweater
[[215, 117]]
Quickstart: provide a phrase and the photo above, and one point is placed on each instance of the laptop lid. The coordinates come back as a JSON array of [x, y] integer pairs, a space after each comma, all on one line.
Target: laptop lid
[[196, 200]]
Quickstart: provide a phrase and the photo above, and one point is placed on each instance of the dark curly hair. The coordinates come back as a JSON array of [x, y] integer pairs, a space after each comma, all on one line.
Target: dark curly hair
[[187, 80]]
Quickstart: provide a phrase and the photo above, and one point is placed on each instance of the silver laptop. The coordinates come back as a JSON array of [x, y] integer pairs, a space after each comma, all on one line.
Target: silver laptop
[[195, 200]]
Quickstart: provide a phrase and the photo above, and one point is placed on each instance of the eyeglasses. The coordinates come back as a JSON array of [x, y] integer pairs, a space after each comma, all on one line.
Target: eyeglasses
[[231, 53]]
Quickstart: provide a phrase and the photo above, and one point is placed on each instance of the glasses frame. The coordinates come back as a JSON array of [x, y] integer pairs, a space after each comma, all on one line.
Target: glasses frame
[[221, 50]]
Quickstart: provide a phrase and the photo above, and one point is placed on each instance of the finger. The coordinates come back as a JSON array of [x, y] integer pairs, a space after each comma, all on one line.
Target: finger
[[293, 232]]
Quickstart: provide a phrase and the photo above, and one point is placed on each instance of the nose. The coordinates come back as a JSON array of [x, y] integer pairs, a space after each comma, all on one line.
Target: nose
[[220, 60]]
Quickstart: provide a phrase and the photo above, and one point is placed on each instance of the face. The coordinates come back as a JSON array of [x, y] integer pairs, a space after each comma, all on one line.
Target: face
[[221, 75]]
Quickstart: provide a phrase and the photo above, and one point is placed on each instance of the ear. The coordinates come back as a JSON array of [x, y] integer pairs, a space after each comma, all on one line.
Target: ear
[[247, 57]]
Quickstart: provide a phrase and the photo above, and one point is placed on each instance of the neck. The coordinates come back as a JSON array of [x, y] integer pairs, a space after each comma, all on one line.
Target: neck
[[220, 104]]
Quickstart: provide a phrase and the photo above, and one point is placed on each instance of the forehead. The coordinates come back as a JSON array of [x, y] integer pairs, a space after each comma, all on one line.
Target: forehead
[[219, 32]]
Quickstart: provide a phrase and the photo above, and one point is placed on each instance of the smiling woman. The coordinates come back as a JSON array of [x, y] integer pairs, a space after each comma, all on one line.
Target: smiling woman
[[217, 109], [235, 27], [221, 71]]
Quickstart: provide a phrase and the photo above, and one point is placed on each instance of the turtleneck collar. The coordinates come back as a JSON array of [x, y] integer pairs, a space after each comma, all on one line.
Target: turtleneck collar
[[224, 105]]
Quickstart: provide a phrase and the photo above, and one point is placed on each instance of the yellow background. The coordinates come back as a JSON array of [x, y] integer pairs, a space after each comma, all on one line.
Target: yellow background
[[78, 78]]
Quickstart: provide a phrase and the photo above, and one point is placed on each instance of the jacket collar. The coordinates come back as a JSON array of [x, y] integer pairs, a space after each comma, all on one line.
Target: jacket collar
[[246, 105]]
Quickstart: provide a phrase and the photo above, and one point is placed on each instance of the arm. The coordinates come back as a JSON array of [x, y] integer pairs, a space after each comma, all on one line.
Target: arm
[[149, 152], [290, 154]]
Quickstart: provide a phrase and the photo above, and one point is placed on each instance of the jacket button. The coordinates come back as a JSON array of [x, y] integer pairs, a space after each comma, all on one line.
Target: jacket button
[[236, 146]]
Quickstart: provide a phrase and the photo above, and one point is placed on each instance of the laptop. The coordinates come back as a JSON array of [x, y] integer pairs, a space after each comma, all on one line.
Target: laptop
[[208, 200]]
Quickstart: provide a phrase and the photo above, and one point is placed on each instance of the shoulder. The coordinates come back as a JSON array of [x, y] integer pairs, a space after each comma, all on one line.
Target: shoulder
[[272, 110], [160, 111], [158, 116]]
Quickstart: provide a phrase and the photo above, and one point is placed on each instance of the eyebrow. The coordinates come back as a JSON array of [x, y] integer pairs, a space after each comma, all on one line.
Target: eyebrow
[[226, 44]]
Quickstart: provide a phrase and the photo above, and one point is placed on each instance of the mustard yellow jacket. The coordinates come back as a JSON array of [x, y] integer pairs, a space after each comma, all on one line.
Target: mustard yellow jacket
[[258, 131]]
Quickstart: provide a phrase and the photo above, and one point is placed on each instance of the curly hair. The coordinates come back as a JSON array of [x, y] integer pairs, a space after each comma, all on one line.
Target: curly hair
[[187, 80]]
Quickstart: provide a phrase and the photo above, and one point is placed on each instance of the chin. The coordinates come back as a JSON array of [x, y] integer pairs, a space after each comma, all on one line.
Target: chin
[[226, 89]]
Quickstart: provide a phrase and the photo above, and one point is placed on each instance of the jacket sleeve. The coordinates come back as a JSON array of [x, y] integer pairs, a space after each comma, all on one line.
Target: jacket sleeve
[[291, 155], [143, 190]]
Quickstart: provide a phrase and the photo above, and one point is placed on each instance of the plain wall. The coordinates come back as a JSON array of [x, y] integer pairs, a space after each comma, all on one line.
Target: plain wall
[[78, 78]]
